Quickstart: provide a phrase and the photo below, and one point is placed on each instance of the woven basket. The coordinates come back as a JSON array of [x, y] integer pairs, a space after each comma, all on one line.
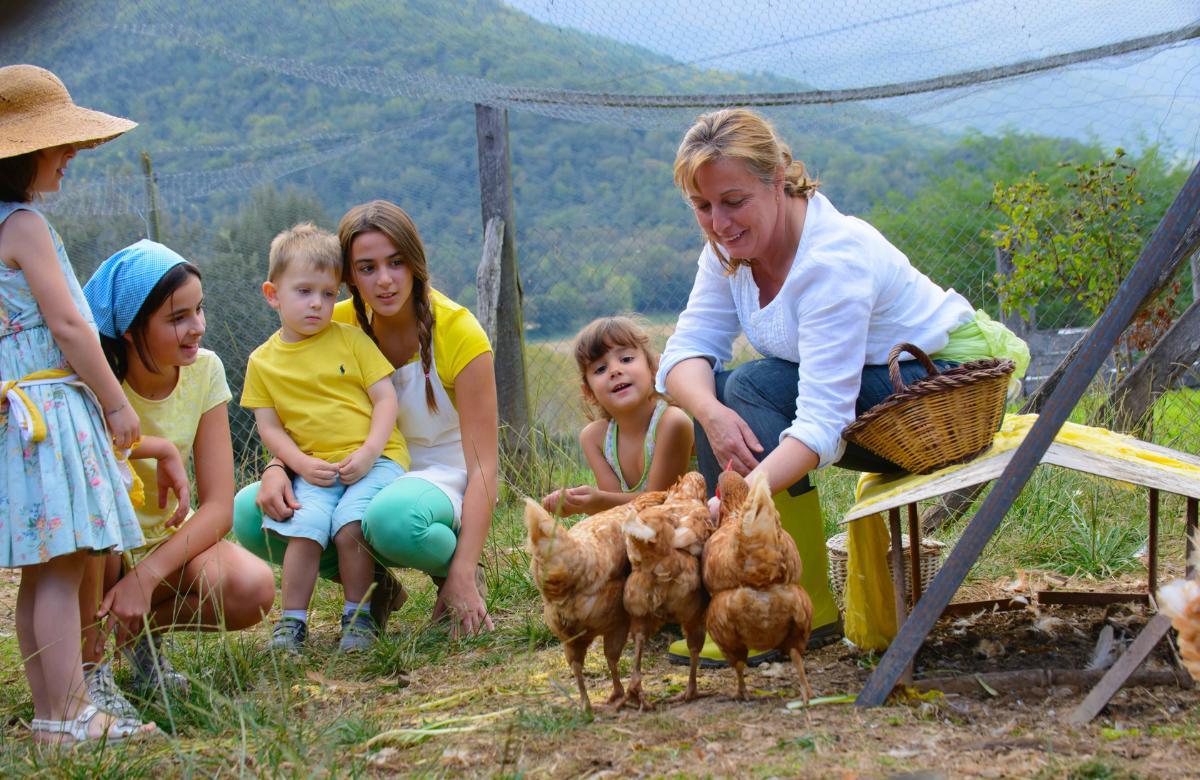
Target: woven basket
[[931, 561], [944, 418]]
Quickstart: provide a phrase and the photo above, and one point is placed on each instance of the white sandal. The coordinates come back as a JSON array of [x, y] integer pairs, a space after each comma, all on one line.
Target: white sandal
[[77, 728]]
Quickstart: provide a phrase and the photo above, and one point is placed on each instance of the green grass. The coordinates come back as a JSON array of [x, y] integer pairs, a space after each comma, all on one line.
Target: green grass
[[253, 713]]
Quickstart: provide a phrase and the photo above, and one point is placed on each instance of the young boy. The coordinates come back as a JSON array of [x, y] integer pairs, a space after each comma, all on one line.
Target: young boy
[[324, 405]]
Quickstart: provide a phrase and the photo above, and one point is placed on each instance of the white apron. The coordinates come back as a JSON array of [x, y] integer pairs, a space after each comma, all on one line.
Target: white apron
[[434, 440]]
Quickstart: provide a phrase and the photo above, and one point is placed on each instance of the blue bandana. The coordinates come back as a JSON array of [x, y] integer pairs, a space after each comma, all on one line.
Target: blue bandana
[[121, 284]]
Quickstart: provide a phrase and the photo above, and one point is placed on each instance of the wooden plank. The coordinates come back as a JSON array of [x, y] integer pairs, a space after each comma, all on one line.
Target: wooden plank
[[1058, 454], [1116, 676], [487, 277], [1178, 230], [1102, 465]]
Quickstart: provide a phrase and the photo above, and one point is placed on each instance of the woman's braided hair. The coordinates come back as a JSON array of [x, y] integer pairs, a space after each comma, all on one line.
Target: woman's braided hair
[[743, 135], [389, 219]]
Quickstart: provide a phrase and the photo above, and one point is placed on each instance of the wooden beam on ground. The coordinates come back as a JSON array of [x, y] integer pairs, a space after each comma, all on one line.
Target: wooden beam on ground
[[1175, 238], [1125, 666]]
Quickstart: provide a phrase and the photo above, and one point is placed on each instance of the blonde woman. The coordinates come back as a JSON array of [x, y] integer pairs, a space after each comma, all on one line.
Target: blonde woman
[[822, 296]]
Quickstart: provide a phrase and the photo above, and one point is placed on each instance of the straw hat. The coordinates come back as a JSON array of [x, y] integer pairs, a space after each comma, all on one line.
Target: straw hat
[[36, 112]]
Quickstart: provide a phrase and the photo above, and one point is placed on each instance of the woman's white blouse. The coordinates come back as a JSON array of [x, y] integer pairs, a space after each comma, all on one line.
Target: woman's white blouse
[[849, 297]]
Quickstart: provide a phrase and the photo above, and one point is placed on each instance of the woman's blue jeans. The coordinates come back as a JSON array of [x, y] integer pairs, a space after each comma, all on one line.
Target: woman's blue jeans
[[763, 393]]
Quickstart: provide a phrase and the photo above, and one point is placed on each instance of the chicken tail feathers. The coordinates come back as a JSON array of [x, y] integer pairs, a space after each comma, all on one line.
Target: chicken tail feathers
[[759, 516]]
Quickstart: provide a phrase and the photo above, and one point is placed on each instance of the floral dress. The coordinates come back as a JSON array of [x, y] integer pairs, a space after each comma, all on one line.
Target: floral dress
[[65, 492]]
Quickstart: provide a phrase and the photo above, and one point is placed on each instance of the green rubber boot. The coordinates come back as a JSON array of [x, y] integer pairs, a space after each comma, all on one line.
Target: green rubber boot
[[800, 516]]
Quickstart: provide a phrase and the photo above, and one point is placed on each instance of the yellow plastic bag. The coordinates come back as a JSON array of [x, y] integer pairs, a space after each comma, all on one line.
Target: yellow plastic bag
[[870, 618]]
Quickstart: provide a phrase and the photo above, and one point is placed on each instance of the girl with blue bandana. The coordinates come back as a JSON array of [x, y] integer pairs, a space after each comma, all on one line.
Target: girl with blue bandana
[[149, 306], [61, 489]]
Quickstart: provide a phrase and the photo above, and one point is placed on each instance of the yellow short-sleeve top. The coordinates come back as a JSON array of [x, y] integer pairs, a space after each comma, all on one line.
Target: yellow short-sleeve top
[[318, 387], [458, 338], [200, 388]]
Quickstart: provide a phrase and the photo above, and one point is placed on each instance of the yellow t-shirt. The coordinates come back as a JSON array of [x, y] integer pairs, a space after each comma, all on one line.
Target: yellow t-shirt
[[318, 387], [201, 387], [458, 338]]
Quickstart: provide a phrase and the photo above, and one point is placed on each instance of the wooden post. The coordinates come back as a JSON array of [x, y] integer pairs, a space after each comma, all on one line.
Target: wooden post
[[152, 224], [496, 199], [487, 277]]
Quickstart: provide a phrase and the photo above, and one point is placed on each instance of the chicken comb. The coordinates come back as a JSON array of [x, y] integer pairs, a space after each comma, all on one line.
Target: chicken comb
[[728, 467]]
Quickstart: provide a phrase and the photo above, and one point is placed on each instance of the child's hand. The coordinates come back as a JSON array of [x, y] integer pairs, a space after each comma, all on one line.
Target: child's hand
[[570, 501], [356, 465], [317, 472], [124, 426], [128, 603], [173, 478]]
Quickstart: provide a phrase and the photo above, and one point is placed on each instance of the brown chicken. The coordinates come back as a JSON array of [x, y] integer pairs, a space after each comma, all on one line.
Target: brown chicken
[[752, 572], [1180, 600], [664, 583], [686, 502], [581, 574]]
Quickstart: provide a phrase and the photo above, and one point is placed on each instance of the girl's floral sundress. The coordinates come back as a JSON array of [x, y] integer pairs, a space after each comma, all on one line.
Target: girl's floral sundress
[[64, 493]]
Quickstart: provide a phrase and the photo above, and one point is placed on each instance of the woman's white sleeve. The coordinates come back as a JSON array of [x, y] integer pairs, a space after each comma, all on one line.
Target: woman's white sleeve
[[833, 315], [709, 324]]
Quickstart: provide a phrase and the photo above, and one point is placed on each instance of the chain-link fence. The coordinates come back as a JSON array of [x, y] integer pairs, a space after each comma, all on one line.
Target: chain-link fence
[[256, 116]]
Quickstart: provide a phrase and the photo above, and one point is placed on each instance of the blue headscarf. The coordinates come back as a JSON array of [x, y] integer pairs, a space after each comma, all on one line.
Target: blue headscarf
[[121, 284]]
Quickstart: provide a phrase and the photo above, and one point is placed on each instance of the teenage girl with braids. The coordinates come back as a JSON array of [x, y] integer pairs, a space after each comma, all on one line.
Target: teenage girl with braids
[[434, 518]]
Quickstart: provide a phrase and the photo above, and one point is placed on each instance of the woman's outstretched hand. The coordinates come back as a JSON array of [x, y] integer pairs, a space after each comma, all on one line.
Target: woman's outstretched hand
[[459, 598], [731, 439], [275, 496]]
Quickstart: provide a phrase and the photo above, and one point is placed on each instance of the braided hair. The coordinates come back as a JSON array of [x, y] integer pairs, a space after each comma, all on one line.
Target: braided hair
[[389, 219]]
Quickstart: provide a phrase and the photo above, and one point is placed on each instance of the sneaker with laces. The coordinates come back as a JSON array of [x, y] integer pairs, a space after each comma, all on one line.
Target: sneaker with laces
[[103, 690], [359, 632], [152, 670], [289, 635]]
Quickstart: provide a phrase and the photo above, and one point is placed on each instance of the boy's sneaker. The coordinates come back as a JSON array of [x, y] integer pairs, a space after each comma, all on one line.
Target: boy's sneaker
[[359, 632], [103, 690], [289, 634], [152, 671]]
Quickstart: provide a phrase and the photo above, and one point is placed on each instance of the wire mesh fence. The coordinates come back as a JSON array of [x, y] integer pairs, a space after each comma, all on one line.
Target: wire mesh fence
[[257, 116]]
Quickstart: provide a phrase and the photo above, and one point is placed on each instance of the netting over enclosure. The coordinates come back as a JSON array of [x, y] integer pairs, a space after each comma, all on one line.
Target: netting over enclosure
[[258, 115]]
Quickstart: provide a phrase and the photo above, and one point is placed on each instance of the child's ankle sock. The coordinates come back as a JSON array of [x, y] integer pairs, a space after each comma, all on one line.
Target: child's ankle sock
[[297, 614], [356, 606]]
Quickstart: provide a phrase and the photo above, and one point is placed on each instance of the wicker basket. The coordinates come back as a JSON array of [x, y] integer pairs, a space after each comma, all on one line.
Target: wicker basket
[[931, 561], [944, 418]]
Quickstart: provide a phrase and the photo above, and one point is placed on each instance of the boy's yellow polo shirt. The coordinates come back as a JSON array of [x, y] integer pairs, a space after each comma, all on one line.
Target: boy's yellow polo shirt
[[318, 387]]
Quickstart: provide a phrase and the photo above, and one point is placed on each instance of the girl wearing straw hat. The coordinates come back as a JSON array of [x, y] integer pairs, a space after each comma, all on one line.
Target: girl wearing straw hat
[[61, 489]]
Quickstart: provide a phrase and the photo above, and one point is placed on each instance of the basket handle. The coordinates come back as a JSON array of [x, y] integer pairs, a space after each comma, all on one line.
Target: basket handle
[[894, 363]]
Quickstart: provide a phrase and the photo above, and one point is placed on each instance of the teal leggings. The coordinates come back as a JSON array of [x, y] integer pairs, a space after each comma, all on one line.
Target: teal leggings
[[409, 524]]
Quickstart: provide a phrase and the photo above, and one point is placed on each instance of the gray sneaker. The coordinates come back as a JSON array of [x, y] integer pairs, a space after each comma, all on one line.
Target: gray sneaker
[[152, 670], [289, 634], [359, 632], [105, 694]]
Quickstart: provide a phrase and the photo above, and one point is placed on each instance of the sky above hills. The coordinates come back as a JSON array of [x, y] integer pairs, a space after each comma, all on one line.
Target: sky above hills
[[1152, 96]]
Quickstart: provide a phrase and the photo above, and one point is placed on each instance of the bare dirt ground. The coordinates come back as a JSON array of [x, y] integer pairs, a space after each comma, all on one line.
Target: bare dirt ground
[[1144, 732]]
